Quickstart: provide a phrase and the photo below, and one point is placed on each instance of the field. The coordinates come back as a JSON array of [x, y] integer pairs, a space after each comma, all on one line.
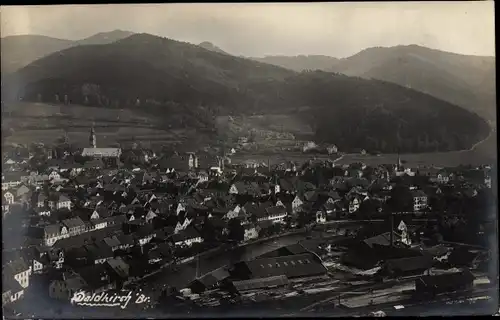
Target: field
[[485, 153], [274, 122], [274, 135], [268, 133], [38, 122]]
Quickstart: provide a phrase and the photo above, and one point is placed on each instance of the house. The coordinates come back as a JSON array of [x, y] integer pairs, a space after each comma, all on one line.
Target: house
[[150, 216], [119, 267], [251, 232], [183, 224], [53, 233], [18, 270], [274, 214], [126, 241], [56, 201], [431, 285], [210, 280], [12, 291], [297, 204], [98, 252], [419, 200], [354, 204], [444, 177], [96, 224], [54, 175], [40, 264], [335, 210], [8, 197], [97, 277], [113, 242], [43, 211], [320, 216], [186, 237], [145, 234], [65, 286], [23, 192], [240, 188], [42, 201], [10, 180], [43, 259], [408, 266], [74, 226]]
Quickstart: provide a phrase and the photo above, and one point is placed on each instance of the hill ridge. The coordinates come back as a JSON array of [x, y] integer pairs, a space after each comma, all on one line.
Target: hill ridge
[[182, 81]]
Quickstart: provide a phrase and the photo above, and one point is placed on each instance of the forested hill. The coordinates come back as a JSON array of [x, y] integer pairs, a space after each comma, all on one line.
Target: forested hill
[[464, 80], [19, 51], [145, 71]]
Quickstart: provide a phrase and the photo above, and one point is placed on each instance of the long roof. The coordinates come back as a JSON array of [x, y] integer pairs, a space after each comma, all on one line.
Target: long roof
[[253, 284], [104, 152], [17, 266], [411, 263], [291, 266], [447, 279]]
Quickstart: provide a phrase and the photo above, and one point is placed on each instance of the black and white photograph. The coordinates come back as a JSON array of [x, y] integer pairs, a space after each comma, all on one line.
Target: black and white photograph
[[184, 160]]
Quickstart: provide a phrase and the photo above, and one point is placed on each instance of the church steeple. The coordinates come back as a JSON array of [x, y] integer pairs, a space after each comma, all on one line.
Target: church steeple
[[92, 138]]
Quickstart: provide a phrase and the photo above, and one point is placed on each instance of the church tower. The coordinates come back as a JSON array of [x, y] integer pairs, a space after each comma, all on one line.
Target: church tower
[[92, 138]]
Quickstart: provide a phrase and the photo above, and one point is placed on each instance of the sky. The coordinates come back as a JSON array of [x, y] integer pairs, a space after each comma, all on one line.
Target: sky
[[260, 29]]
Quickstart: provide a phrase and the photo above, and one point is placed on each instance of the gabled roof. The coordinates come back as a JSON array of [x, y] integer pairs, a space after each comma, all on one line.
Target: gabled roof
[[15, 267], [418, 193], [411, 263], [188, 233], [260, 283], [52, 228], [381, 240], [290, 266], [99, 250], [104, 152], [120, 267], [95, 276], [276, 210], [9, 284], [112, 241], [73, 223], [447, 279]]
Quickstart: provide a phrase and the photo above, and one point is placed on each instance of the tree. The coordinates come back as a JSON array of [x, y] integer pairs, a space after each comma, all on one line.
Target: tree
[[304, 218], [288, 221], [236, 230], [209, 232]]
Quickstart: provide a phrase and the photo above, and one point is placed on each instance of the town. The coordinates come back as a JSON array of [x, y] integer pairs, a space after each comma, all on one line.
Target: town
[[203, 232]]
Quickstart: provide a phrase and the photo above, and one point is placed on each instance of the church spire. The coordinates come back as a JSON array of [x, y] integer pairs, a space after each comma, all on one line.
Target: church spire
[[92, 138]]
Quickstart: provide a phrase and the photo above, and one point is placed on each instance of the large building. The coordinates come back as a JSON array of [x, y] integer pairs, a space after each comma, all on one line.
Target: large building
[[109, 156], [444, 283], [292, 266]]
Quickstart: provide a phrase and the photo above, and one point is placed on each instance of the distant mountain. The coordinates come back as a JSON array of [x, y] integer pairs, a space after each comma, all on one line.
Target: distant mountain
[[19, 51], [301, 63], [105, 37], [210, 46], [189, 85], [467, 81]]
